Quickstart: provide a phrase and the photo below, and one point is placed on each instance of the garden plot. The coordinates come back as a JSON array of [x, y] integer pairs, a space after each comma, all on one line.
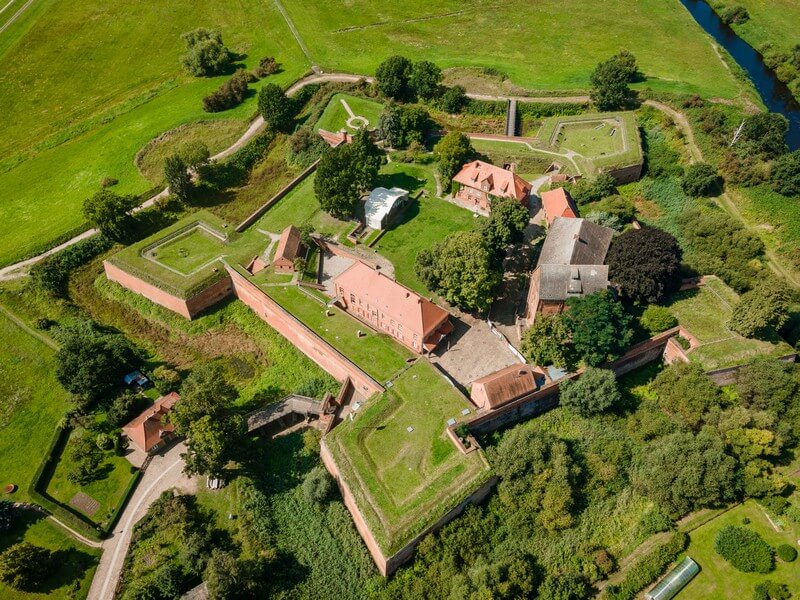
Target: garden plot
[[349, 113]]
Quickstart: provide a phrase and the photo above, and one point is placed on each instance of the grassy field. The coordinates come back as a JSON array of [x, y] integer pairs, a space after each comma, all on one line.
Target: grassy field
[[376, 353], [31, 404], [190, 251], [335, 116], [107, 489], [771, 22], [75, 563], [404, 480], [591, 138], [89, 84], [704, 313], [717, 579]]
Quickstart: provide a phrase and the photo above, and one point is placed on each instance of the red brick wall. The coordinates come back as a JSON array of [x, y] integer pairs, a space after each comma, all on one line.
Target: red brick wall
[[209, 296], [147, 290], [305, 340]]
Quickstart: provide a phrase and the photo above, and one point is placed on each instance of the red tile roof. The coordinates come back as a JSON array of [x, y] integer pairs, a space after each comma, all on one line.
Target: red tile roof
[[493, 180], [147, 429], [506, 385], [401, 304], [558, 203], [288, 245]]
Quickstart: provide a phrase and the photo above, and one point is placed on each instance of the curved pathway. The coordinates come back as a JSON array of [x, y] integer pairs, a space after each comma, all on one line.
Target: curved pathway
[[164, 472]]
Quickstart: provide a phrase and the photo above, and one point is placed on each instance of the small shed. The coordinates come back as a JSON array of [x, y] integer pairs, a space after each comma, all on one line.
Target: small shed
[[675, 581], [382, 205], [151, 431], [288, 249], [505, 385], [136, 379]]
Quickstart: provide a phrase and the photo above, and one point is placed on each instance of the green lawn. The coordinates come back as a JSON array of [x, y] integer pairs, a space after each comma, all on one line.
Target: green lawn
[[89, 84], [376, 353], [107, 489], [717, 579], [592, 138], [189, 251], [31, 404], [404, 480], [335, 116], [74, 563], [704, 313]]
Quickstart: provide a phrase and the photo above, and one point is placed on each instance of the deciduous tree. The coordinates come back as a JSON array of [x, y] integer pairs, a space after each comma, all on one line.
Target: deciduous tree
[[701, 179], [392, 77], [645, 263], [599, 326], [277, 109], [110, 213], [546, 342], [205, 391], [761, 311], [505, 225], [594, 392], [786, 174], [424, 79], [206, 55], [452, 151], [610, 80], [686, 392], [176, 172], [24, 566]]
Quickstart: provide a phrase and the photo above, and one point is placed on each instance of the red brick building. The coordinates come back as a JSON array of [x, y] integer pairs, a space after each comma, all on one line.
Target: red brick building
[[558, 203], [479, 182], [505, 385], [391, 308], [150, 431], [288, 249]]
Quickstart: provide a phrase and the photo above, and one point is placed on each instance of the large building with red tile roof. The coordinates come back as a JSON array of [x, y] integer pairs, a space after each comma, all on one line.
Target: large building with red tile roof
[[288, 249], [558, 203], [505, 385], [150, 431], [480, 181], [391, 308]]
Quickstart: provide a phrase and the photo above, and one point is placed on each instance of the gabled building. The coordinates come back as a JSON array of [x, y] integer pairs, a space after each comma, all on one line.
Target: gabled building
[[570, 265], [288, 249], [479, 181], [150, 431], [391, 308], [506, 385], [383, 205], [558, 203]]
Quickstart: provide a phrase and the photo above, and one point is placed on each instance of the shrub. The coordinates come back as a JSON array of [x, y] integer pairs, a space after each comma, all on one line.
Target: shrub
[[744, 549], [656, 319], [165, 379], [318, 485], [453, 100], [104, 441], [786, 552], [594, 392], [701, 179], [735, 15], [206, 55], [6, 514], [649, 567], [267, 66], [229, 94], [109, 182], [769, 590]]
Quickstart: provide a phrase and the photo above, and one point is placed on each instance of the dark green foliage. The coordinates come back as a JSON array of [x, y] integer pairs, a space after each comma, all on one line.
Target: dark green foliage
[[211, 443], [761, 311], [165, 379], [91, 361], [744, 549], [402, 125], [656, 319], [277, 109], [592, 190], [786, 552], [110, 213], [594, 392], [313, 388], [786, 174], [600, 327], [646, 569], [460, 268], [770, 590], [6, 515], [305, 147], [716, 243], [452, 151], [206, 55], [735, 15], [684, 472], [86, 458], [505, 225], [229, 94], [205, 391], [684, 391], [764, 134], [267, 66], [610, 81], [344, 173], [52, 274], [24, 566], [780, 396], [453, 100], [661, 159], [122, 409], [392, 78], [617, 206], [645, 263], [569, 586], [701, 179], [318, 485], [178, 179], [546, 342], [236, 168], [424, 80]]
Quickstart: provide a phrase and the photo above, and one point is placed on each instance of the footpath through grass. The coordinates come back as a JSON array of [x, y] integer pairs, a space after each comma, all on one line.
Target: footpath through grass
[[396, 458], [335, 116]]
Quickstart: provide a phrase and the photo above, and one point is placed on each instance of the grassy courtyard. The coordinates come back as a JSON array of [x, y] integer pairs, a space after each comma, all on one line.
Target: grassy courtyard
[[189, 251], [718, 580], [592, 138], [335, 116], [403, 480], [704, 313]]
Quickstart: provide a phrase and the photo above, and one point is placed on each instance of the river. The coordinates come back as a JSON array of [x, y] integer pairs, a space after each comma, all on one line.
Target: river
[[774, 93]]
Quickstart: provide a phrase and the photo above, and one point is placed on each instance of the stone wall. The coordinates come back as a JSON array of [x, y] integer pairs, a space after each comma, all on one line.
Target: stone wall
[[305, 340], [729, 376], [626, 174]]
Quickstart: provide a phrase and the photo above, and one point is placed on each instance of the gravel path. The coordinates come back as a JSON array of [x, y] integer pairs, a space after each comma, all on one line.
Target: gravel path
[[164, 473]]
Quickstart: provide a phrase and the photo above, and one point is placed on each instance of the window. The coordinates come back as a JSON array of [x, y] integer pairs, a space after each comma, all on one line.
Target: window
[[352, 299]]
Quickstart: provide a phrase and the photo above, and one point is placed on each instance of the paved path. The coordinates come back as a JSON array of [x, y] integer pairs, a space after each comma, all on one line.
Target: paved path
[[164, 473]]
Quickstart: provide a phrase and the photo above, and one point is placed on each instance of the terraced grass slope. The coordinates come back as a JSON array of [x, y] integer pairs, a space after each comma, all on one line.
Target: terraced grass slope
[[397, 460]]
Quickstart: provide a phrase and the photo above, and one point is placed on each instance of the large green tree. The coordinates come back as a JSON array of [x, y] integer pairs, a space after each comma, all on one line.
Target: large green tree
[[400, 125], [344, 173], [206, 55], [424, 80], [452, 151], [205, 391], [761, 311], [211, 442], [276, 108], [110, 213], [595, 391], [505, 225], [392, 78], [599, 326], [645, 263], [610, 81], [684, 391], [780, 396], [25, 567], [786, 174], [460, 268], [176, 172], [365, 159], [547, 342], [701, 179]]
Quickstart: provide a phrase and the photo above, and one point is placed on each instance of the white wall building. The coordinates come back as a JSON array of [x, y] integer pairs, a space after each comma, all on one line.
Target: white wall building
[[382, 205]]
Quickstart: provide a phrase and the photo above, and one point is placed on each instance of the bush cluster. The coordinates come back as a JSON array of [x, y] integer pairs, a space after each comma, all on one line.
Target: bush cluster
[[52, 274], [786, 552], [744, 549], [648, 568], [229, 94]]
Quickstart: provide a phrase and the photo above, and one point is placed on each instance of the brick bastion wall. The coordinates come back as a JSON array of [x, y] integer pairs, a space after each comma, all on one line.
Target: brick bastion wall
[[389, 564], [308, 342]]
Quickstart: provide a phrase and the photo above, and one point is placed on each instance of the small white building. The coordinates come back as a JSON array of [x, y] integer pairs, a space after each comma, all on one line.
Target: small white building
[[382, 205]]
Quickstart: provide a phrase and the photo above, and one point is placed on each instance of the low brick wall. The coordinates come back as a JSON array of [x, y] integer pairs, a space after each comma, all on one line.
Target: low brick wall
[[730, 375], [626, 174], [305, 340]]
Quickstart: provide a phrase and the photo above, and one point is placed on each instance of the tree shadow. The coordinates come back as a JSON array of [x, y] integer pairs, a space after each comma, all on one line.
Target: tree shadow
[[401, 180], [67, 567], [408, 214], [21, 520]]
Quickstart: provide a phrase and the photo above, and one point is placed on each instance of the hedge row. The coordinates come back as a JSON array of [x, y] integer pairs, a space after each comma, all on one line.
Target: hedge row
[[126, 496], [52, 274], [648, 568], [525, 109]]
